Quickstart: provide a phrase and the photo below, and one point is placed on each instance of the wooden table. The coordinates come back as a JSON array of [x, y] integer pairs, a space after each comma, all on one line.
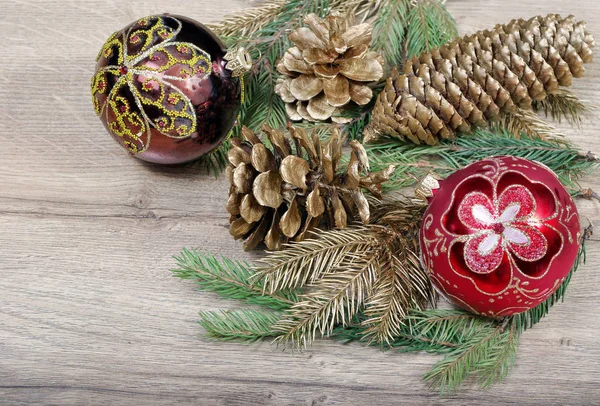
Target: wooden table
[[89, 312]]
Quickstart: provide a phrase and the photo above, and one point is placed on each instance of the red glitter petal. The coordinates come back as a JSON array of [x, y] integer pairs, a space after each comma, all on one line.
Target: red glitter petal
[[482, 264], [537, 247], [517, 194], [465, 211]]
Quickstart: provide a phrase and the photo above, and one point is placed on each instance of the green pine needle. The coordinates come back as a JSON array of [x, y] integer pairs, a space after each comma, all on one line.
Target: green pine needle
[[389, 30], [415, 161], [433, 330], [230, 279], [239, 325], [429, 26], [489, 353]]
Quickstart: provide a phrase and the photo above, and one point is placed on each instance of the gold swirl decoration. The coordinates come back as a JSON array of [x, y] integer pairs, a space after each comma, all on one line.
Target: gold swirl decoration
[[135, 90]]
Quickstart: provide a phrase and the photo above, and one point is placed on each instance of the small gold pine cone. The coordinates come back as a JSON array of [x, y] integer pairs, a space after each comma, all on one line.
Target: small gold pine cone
[[328, 69], [473, 80], [283, 193]]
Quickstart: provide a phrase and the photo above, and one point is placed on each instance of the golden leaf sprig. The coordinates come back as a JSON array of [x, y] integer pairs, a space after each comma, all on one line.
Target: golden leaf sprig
[[373, 269]]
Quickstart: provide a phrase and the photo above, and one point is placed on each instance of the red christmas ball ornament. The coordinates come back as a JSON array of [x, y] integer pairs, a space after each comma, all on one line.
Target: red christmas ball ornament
[[166, 89], [499, 236]]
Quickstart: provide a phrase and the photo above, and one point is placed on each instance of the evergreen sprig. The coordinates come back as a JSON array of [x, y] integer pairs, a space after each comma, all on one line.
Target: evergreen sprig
[[489, 353], [429, 26], [389, 31], [240, 325], [249, 21], [230, 279], [413, 162], [563, 105], [304, 263], [472, 345]]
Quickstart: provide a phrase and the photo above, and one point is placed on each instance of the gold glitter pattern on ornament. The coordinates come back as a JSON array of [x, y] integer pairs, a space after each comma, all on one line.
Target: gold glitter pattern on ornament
[[145, 67]]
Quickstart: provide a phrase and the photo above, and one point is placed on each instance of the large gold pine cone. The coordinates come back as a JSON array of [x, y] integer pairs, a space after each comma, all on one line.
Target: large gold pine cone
[[472, 80], [328, 69]]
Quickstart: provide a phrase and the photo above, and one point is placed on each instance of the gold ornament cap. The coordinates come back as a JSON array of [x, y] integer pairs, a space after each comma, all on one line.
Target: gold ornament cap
[[427, 185], [238, 60]]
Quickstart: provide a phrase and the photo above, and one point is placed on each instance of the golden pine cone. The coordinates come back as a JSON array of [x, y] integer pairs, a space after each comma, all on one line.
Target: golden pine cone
[[283, 193], [328, 69], [473, 80]]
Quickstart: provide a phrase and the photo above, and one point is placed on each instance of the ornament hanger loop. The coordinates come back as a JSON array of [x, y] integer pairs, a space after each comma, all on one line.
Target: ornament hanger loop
[[239, 61]]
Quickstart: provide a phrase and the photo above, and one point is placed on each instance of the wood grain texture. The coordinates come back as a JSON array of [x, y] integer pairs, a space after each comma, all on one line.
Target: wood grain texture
[[89, 313]]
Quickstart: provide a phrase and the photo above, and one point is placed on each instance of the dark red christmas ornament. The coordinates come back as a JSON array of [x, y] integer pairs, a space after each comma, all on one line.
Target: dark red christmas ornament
[[499, 236], [166, 89]]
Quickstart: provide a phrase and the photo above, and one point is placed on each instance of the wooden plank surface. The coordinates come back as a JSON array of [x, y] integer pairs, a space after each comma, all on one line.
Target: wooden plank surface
[[89, 313]]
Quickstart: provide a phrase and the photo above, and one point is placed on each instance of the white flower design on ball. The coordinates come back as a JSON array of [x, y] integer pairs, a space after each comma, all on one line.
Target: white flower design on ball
[[503, 226]]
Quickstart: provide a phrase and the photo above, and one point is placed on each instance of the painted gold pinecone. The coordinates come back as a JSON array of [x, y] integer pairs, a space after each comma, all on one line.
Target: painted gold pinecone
[[473, 80], [281, 194], [328, 69]]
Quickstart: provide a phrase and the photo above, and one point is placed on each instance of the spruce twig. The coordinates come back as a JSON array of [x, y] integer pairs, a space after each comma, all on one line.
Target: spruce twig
[[524, 123], [401, 283], [490, 353], [415, 161], [333, 299], [389, 31], [240, 325], [249, 21], [342, 271], [429, 26], [230, 279]]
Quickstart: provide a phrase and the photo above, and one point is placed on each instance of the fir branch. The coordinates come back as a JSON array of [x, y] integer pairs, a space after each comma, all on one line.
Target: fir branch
[[387, 307], [333, 299], [241, 325], [450, 327], [415, 161], [389, 30], [432, 330], [429, 26], [501, 359], [563, 104], [305, 262], [479, 354], [230, 279]]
